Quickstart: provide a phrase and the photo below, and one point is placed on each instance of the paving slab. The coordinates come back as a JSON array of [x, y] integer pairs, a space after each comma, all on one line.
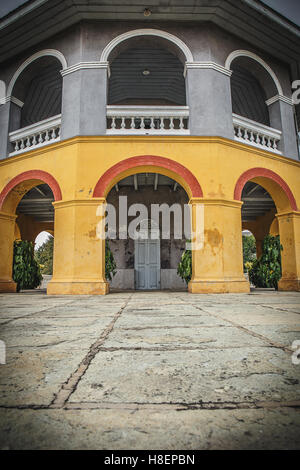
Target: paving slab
[[164, 370], [150, 429]]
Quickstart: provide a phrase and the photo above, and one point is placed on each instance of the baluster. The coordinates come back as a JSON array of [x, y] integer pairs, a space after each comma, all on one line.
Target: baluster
[[263, 140], [27, 142], [34, 140], [40, 139], [123, 123], [246, 137], [58, 133], [22, 144], [17, 146], [251, 136], [257, 140], [275, 144], [53, 134], [240, 134], [162, 123], [113, 122], [152, 123], [132, 123], [181, 124], [171, 122], [142, 123], [47, 136]]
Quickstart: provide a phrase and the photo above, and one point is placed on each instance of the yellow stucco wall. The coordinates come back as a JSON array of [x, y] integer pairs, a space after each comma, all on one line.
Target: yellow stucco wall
[[216, 163]]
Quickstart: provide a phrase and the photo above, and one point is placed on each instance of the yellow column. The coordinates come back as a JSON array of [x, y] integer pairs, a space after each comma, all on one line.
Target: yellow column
[[79, 252], [289, 231], [218, 263], [7, 232]]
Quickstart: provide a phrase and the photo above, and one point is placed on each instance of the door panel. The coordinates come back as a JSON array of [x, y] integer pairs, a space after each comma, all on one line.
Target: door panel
[[147, 264]]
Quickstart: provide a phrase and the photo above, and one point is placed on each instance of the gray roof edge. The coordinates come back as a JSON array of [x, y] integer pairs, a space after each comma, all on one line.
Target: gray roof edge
[[273, 15]]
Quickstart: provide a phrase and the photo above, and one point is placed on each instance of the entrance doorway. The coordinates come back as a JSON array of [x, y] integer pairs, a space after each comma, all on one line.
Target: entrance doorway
[[147, 260]]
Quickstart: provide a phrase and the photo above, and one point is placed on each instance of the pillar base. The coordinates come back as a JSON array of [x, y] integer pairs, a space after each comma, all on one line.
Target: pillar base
[[289, 285], [77, 288], [8, 287], [240, 286]]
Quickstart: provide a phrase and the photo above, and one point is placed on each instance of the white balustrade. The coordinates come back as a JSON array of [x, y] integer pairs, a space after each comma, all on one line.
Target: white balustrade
[[256, 134], [36, 135], [148, 120]]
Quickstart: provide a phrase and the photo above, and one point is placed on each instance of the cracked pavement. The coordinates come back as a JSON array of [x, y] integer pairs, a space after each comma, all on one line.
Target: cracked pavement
[[150, 370]]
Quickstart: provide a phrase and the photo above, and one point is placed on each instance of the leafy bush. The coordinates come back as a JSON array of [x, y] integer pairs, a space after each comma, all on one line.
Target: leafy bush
[[26, 271], [110, 264], [185, 266], [266, 271], [249, 250]]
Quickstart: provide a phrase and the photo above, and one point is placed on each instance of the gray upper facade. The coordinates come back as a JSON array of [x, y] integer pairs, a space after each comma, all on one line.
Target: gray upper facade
[[200, 68]]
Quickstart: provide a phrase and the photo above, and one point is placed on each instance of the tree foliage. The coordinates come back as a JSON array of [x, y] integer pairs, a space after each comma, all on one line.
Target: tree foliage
[[26, 271], [110, 264], [184, 269], [44, 256], [266, 271], [249, 250]]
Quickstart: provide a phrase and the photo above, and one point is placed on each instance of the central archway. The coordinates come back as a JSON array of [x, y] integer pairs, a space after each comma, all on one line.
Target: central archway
[[148, 163]]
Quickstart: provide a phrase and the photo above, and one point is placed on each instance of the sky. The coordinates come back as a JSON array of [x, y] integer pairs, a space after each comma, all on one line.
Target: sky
[[288, 8]]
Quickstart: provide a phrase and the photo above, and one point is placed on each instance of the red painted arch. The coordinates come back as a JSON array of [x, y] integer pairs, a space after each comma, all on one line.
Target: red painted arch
[[147, 160], [32, 175], [256, 172]]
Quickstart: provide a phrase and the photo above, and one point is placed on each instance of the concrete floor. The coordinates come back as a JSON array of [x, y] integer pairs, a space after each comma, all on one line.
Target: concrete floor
[[146, 370]]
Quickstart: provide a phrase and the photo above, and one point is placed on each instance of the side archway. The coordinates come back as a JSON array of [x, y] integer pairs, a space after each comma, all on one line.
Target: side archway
[[286, 222], [243, 53], [46, 52], [148, 163], [20, 184], [273, 183]]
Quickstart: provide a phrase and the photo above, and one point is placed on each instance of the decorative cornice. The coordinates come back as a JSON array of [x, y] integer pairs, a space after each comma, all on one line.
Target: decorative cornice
[[288, 214], [85, 66], [95, 201], [282, 98], [12, 99], [216, 202], [207, 65]]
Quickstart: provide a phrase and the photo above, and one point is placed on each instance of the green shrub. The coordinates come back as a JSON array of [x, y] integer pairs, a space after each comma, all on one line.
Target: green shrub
[[249, 250], [266, 271], [110, 264], [185, 266], [26, 271]]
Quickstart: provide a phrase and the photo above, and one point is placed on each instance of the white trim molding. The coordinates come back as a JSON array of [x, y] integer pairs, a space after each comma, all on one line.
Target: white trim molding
[[146, 32], [36, 135], [242, 53], [276, 98], [46, 52], [12, 99], [207, 65], [147, 120], [85, 66], [256, 134]]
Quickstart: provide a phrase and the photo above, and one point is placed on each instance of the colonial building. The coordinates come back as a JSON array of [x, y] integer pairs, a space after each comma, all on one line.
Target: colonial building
[[187, 102]]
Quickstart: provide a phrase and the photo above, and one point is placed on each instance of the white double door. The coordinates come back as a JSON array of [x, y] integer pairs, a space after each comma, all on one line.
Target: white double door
[[147, 264]]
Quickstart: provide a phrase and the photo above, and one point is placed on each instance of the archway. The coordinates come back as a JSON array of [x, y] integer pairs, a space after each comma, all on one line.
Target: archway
[[267, 197], [27, 199], [146, 86], [170, 182], [148, 163], [35, 94]]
